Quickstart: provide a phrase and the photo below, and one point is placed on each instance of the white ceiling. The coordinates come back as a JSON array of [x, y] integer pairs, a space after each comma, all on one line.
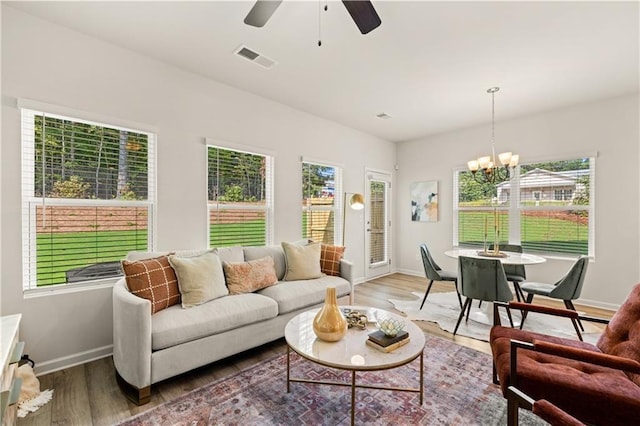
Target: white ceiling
[[428, 65]]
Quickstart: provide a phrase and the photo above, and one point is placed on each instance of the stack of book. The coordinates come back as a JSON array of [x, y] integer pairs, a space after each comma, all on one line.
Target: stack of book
[[384, 343]]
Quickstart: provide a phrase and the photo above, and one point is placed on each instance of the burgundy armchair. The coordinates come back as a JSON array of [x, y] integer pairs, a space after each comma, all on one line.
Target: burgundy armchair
[[598, 384], [543, 409]]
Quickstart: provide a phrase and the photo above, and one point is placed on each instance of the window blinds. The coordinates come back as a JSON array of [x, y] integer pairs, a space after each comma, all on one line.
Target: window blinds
[[320, 186], [378, 245], [556, 205], [547, 207], [239, 197], [87, 197]]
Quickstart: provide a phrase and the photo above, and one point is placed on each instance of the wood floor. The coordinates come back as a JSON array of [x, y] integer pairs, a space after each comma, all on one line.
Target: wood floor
[[88, 394]]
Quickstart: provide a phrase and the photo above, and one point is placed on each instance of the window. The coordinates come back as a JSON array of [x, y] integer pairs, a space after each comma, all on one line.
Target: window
[[563, 194], [239, 197], [547, 207], [320, 185], [87, 197]]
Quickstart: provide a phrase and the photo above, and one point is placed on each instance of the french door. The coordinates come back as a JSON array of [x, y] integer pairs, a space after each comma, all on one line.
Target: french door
[[378, 224]]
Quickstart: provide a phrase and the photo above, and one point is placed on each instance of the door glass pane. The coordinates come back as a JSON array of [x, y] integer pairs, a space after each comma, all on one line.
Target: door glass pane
[[378, 237]]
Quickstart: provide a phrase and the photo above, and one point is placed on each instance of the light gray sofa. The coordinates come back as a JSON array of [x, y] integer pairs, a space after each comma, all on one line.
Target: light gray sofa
[[150, 348]]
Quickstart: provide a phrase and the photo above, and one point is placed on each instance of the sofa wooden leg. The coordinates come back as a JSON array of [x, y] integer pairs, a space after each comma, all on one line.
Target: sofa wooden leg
[[135, 395]]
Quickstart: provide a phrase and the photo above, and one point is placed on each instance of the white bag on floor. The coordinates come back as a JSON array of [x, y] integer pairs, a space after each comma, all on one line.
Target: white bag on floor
[[30, 396]]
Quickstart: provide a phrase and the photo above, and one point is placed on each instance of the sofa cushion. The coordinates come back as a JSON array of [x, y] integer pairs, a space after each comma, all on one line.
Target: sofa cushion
[[174, 326], [293, 295], [247, 277], [254, 253], [200, 278], [303, 262], [230, 254], [330, 257], [154, 280]]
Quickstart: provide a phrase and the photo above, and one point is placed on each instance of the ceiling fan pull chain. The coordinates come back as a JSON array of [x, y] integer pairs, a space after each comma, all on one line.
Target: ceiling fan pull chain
[[320, 23], [326, 7]]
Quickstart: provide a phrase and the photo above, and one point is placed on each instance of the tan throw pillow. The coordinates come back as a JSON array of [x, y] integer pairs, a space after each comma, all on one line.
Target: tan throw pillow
[[154, 280], [330, 257], [247, 277], [200, 278], [303, 262]]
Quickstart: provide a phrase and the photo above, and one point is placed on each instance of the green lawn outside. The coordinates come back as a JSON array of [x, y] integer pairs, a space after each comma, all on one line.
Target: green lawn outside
[[248, 233], [559, 235], [60, 252]]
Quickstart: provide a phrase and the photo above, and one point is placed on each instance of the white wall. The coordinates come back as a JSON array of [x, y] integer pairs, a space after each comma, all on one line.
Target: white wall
[[609, 127], [49, 63]]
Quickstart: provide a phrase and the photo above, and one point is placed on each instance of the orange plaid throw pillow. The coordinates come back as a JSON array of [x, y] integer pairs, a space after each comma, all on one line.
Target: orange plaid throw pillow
[[330, 257], [154, 280]]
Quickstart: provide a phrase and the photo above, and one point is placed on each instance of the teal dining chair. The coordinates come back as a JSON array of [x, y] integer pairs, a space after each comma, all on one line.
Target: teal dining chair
[[516, 274], [484, 280], [436, 273], [568, 288]]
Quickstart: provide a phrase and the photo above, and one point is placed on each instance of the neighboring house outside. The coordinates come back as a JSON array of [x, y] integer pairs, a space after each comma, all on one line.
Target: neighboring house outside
[[328, 189], [543, 185]]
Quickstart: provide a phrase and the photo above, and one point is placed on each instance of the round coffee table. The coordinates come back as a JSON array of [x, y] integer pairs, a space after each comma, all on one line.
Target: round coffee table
[[351, 352]]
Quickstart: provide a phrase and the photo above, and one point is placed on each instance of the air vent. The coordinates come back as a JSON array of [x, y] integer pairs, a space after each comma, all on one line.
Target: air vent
[[383, 115], [255, 57]]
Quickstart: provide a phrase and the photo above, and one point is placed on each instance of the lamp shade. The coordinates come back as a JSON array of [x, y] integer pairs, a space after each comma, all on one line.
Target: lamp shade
[[356, 202]]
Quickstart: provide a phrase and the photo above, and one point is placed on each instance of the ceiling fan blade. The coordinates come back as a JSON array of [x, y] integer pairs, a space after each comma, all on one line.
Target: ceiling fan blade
[[363, 14], [261, 12]]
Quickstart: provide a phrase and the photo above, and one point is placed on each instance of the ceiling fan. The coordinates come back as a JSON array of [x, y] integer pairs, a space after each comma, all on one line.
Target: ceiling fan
[[361, 11]]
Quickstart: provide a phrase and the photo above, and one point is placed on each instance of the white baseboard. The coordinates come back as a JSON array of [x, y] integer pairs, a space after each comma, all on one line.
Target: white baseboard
[[411, 272], [69, 361], [596, 304]]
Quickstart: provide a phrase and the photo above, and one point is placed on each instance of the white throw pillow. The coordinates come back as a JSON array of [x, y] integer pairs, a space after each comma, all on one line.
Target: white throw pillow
[[303, 262], [200, 278]]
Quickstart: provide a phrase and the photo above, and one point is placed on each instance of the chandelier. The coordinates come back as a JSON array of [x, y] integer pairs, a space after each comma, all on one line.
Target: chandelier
[[486, 169]]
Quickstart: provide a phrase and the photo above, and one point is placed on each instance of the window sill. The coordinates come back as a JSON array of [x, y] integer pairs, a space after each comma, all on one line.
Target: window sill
[[70, 288]]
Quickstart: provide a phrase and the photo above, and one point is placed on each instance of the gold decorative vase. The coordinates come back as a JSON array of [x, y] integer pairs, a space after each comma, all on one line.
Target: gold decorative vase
[[329, 324]]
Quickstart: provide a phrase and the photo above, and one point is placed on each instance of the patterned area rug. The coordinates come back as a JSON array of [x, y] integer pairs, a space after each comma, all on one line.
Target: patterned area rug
[[443, 309], [457, 391]]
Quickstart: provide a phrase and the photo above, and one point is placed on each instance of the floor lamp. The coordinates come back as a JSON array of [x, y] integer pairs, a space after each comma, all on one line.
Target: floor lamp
[[356, 202]]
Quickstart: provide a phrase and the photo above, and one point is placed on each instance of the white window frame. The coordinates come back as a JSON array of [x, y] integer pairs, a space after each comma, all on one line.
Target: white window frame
[[515, 208], [29, 109], [269, 186], [338, 196]]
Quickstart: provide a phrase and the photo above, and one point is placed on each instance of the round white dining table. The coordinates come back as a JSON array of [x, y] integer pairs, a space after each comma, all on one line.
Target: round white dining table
[[485, 316], [511, 258]]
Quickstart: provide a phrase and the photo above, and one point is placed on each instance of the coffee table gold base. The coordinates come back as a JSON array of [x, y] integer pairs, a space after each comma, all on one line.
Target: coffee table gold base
[[353, 384]]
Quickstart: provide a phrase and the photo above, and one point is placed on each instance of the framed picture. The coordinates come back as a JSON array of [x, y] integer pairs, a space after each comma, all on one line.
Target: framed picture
[[424, 201]]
